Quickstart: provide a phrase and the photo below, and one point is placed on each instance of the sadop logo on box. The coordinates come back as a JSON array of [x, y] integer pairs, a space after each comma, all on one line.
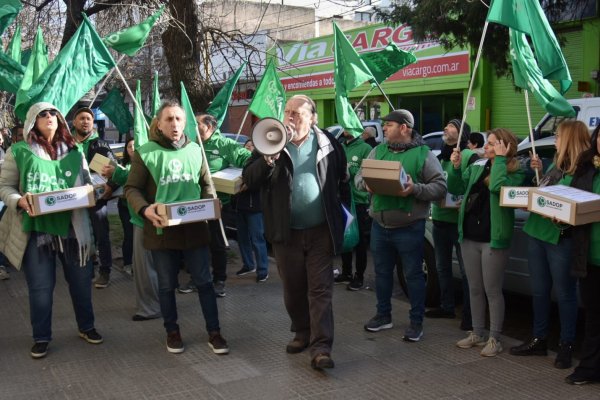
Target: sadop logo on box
[[543, 202], [53, 200]]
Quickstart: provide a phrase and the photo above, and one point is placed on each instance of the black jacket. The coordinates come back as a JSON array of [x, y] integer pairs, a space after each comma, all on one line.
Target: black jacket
[[276, 185]]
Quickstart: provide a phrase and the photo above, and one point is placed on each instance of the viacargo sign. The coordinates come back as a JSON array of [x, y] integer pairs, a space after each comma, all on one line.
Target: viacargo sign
[[309, 64]]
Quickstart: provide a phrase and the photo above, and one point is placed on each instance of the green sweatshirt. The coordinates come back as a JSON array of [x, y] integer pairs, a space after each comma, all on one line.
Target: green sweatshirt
[[502, 218], [221, 153], [356, 150]]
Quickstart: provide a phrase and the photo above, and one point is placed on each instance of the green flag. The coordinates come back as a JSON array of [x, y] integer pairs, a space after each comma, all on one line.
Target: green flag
[[350, 72], [155, 95], [218, 107], [76, 69], [117, 111], [8, 12], [528, 76], [386, 62], [11, 73], [130, 40], [140, 131], [191, 125], [269, 98], [14, 46], [528, 17], [36, 65]]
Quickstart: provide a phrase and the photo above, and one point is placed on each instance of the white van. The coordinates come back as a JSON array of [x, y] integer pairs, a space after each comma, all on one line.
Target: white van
[[588, 111]]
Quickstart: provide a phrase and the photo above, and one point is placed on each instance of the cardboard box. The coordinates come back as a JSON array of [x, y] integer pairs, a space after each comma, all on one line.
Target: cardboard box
[[99, 181], [61, 200], [228, 180], [566, 204], [384, 177], [99, 161], [451, 201], [186, 212], [514, 196]]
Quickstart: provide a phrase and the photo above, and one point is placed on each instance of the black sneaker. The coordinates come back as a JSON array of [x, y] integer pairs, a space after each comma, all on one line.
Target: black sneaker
[[564, 356], [245, 271], [343, 278], [378, 323], [217, 343], [535, 347], [187, 288], [577, 378], [174, 342], [39, 350], [357, 283], [91, 336], [102, 281], [220, 289]]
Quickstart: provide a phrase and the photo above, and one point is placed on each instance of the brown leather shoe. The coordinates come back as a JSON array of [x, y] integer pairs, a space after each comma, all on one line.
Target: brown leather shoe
[[296, 346], [322, 361]]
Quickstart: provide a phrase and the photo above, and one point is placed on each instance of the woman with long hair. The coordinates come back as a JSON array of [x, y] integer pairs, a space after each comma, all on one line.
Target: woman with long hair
[[47, 160], [485, 232], [550, 252]]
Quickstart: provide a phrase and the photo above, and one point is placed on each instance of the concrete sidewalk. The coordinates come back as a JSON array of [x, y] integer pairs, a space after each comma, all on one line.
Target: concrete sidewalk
[[133, 363]]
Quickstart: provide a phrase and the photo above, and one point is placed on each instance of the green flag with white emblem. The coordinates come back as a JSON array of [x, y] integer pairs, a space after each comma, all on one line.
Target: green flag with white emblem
[[130, 40]]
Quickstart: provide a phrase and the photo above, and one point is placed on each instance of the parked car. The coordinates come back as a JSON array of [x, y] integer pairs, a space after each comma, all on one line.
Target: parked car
[[434, 141], [516, 275], [336, 130], [118, 149]]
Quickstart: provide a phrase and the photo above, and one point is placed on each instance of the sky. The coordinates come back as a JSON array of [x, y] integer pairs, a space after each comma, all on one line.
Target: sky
[[324, 8]]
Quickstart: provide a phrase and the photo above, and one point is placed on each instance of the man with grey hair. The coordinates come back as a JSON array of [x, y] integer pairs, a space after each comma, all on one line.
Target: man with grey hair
[[302, 188], [368, 136], [398, 227]]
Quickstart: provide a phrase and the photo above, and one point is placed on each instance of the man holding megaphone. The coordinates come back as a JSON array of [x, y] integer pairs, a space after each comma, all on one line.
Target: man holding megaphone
[[303, 178]]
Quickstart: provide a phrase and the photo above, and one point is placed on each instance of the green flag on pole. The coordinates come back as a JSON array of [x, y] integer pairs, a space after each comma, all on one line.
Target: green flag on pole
[[8, 12], [36, 65], [155, 95], [140, 131], [529, 77], [528, 17], [350, 71], [191, 125], [269, 98], [11, 73], [76, 69], [218, 107], [388, 61], [117, 111], [14, 46], [130, 40]]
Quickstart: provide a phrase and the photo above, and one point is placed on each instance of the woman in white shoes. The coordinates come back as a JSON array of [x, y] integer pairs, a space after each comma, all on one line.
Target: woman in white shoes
[[485, 232]]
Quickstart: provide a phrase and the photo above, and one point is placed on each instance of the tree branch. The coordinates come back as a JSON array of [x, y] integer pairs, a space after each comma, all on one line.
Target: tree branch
[[101, 6]]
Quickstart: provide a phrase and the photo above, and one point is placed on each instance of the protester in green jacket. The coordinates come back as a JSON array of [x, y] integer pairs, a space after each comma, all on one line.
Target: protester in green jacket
[[485, 232], [221, 153], [586, 266], [356, 150], [550, 252]]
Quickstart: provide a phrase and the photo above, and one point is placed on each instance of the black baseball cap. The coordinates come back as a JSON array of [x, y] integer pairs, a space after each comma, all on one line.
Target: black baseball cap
[[402, 117]]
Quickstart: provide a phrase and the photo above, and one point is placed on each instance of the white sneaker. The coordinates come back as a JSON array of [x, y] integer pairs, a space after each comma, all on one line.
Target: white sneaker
[[470, 341], [4, 275], [492, 348]]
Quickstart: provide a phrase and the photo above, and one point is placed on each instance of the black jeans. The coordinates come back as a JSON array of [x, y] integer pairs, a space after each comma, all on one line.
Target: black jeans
[[589, 362], [127, 245], [99, 218]]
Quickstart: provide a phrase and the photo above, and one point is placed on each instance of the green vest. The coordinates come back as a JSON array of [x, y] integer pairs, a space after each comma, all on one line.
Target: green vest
[[175, 172], [450, 214], [594, 253], [542, 228], [39, 176], [357, 151], [412, 161]]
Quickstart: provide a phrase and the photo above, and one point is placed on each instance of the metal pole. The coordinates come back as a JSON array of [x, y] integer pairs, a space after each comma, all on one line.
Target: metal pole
[[241, 126], [139, 107], [462, 122], [537, 173], [385, 95], [363, 99]]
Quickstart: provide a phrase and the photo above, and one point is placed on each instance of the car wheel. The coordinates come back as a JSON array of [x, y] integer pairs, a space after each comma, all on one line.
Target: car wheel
[[432, 288]]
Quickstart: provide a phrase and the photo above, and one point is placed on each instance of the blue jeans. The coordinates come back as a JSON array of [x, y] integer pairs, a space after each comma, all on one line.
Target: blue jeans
[[550, 264], [386, 246], [445, 237], [39, 266], [99, 218], [251, 241], [167, 264]]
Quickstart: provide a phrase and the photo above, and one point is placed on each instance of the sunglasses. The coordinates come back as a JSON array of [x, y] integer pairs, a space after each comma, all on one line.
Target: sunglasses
[[44, 114]]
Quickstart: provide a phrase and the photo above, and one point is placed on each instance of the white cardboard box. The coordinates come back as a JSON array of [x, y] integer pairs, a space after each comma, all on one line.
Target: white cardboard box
[[566, 204], [61, 200], [451, 201], [228, 180], [514, 196], [186, 212]]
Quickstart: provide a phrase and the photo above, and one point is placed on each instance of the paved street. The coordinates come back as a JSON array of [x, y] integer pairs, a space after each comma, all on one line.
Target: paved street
[[133, 362]]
